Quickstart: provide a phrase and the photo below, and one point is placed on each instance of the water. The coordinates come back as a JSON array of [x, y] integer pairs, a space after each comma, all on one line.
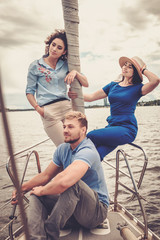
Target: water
[[26, 130]]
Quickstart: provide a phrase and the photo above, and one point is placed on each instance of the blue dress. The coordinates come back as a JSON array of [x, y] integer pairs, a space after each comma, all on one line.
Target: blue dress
[[122, 125]]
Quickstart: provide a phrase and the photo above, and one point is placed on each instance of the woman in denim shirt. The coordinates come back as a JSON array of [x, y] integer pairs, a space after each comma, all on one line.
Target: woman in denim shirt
[[48, 78]]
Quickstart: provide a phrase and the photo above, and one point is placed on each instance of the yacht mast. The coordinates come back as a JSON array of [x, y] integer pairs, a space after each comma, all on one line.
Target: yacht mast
[[71, 21]]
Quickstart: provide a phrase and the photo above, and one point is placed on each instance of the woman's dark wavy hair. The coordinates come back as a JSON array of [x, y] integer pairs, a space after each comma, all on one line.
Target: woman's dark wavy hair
[[57, 34], [136, 78]]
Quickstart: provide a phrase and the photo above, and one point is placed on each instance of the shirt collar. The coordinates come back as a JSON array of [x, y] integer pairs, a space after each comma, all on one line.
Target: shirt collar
[[59, 64], [79, 145]]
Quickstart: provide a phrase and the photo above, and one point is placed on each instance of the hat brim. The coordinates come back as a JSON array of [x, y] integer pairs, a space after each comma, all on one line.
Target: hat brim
[[123, 60]]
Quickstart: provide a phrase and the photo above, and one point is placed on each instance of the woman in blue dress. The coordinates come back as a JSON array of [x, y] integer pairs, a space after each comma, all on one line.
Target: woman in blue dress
[[123, 96], [47, 79]]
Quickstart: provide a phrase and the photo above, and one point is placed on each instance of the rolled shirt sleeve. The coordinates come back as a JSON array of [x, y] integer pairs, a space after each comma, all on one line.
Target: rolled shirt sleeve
[[32, 79]]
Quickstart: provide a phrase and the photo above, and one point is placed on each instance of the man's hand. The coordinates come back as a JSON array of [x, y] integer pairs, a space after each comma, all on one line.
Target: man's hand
[[14, 199], [37, 191]]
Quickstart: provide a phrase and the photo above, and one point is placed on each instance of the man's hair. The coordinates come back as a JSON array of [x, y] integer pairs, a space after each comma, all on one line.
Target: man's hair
[[79, 116]]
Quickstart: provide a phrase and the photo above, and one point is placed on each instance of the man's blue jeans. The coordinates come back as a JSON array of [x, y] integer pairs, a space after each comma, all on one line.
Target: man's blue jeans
[[48, 214]]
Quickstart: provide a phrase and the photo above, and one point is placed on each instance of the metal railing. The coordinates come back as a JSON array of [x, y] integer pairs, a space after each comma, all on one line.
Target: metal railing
[[136, 183], [23, 154]]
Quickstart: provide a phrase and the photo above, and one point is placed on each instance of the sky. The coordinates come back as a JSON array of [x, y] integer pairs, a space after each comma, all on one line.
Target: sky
[[107, 31]]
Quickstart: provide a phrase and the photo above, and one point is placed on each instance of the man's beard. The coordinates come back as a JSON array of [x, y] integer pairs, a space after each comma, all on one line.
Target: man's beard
[[72, 141]]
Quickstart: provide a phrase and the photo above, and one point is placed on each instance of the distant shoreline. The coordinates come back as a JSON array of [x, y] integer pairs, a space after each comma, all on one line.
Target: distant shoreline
[[149, 103]]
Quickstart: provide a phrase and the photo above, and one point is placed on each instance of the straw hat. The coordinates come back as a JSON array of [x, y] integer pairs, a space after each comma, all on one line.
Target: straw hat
[[136, 61]]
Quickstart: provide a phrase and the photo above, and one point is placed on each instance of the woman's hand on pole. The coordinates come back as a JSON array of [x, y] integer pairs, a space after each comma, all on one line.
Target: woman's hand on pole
[[70, 77], [80, 77], [72, 94]]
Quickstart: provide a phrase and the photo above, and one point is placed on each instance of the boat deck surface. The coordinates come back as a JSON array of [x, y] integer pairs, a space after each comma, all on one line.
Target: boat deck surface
[[108, 232]]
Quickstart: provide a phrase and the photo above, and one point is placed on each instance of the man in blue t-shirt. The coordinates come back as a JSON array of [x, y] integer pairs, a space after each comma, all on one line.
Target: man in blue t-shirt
[[72, 188]]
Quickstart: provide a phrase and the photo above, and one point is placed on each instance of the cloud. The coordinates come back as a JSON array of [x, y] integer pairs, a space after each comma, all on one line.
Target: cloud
[[151, 7], [107, 31], [140, 14], [136, 19], [15, 24], [90, 55], [22, 22]]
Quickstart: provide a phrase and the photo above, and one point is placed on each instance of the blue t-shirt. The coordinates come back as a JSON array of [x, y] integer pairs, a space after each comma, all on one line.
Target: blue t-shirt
[[48, 83], [123, 102], [86, 152]]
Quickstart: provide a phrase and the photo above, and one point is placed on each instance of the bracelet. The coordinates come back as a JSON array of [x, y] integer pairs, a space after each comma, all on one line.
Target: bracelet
[[144, 70], [36, 106]]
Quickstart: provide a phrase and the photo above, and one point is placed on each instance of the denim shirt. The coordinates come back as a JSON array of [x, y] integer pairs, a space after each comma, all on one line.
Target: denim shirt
[[48, 83]]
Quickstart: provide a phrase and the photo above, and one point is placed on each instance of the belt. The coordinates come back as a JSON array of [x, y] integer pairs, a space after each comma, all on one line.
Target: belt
[[54, 101]]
